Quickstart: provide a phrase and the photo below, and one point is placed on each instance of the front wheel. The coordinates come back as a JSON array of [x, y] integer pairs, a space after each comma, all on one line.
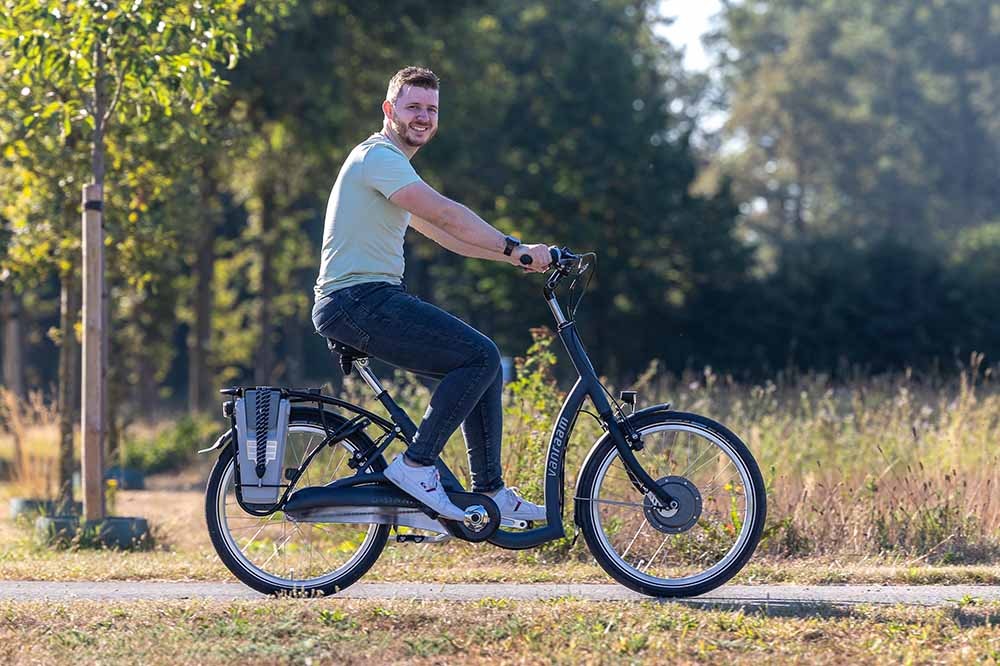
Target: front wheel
[[698, 543]]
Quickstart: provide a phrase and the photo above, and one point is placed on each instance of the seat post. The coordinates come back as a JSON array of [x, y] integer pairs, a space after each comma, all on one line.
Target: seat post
[[361, 365], [404, 423]]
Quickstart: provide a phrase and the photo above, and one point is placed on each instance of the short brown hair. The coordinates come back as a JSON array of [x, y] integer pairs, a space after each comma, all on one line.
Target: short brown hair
[[420, 77]]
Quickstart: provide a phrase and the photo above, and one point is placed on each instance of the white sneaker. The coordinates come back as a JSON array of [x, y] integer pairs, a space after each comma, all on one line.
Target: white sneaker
[[424, 484], [512, 505]]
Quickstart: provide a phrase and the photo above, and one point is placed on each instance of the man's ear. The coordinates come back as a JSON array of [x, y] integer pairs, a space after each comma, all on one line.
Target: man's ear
[[387, 109]]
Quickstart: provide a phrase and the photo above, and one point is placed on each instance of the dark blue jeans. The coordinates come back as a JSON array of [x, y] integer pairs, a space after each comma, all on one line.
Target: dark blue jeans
[[389, 324]]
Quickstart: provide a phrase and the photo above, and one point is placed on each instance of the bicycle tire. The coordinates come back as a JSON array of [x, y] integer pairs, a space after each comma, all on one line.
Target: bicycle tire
[[614, 563]]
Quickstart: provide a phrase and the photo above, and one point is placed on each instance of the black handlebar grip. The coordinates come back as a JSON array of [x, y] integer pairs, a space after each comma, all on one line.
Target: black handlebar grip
[[553, 251]]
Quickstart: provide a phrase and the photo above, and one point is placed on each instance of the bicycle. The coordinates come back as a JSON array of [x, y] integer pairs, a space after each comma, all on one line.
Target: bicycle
[[670, 504]]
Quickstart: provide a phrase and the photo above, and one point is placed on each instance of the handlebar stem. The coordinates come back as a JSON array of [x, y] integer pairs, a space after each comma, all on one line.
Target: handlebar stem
[[557, 312]]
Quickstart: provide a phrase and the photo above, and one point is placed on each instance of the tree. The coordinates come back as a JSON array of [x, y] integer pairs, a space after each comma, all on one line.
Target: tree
[[566, 123], [92, 66], [862, 116]]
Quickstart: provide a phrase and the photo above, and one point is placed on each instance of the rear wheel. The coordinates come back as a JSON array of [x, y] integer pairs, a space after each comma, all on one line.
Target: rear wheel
[[694, 545], [274, 554]]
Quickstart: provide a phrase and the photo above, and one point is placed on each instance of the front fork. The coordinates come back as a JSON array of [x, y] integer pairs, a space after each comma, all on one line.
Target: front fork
[[641, 479]]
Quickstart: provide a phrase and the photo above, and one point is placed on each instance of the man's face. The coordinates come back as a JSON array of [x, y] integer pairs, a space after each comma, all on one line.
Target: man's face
[[414, 116]]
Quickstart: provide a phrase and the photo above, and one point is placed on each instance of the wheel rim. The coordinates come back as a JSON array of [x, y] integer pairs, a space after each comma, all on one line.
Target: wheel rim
[[723, 528], [287, 553]]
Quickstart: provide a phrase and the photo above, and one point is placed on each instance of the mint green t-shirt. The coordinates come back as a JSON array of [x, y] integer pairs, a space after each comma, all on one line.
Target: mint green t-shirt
[[364, 231]]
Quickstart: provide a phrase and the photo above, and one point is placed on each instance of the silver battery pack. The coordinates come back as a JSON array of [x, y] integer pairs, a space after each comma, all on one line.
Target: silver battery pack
[[262, 428]]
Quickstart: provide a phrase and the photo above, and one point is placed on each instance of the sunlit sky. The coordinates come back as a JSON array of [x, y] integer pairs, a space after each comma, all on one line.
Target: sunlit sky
[[693, 20]]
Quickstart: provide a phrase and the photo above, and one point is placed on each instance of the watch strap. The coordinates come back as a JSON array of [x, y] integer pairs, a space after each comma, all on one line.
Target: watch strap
[[510, 242]]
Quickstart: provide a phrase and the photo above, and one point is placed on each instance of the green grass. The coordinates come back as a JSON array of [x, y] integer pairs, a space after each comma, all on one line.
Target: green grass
[[562, 631]]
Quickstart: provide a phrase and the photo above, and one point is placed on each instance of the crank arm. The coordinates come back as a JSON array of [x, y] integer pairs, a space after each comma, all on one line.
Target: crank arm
[[514, 522]]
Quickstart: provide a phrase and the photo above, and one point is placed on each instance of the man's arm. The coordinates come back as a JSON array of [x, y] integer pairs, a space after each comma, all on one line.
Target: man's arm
[[449, 216], [449, 242]]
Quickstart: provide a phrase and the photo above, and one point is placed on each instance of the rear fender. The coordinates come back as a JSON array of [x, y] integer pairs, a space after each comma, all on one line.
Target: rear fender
[[219, 443]]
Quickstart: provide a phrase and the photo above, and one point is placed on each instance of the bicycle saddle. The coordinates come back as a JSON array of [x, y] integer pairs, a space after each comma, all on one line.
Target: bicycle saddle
[[348, 354]]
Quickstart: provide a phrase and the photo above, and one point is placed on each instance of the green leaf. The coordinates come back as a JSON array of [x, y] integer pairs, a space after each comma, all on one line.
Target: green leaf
[[50, 109]]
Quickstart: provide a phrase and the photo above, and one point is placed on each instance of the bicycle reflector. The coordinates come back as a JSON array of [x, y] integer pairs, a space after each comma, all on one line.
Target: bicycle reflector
[[261, 430]]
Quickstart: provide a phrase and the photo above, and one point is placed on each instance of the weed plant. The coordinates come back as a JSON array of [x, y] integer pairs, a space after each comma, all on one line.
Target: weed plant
[[29, 441]]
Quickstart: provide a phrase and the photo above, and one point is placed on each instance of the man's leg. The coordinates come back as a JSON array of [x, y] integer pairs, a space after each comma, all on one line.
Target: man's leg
[[483, 432], [406, 332]]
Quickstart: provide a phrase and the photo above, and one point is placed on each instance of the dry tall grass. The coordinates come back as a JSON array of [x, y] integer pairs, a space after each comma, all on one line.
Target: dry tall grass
[[897, 464], [29, 445], [900, 465]]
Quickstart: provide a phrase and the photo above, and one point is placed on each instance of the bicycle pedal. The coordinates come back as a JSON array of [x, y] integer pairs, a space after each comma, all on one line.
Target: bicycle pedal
[[421, 538]]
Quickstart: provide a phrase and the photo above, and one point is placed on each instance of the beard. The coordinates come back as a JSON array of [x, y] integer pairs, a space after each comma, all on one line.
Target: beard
[[410, 138]]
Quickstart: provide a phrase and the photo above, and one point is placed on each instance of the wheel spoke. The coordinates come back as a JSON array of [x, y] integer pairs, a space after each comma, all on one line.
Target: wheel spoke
[[608, 501]]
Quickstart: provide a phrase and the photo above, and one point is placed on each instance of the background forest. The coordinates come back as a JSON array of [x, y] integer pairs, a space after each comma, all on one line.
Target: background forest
[[846, 215]]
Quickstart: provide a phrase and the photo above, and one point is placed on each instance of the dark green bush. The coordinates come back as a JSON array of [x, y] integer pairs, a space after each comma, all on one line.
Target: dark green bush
[[171, 448]]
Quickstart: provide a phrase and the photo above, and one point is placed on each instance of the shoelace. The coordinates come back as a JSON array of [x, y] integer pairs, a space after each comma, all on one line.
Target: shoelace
[[517, 493], [518, 500]]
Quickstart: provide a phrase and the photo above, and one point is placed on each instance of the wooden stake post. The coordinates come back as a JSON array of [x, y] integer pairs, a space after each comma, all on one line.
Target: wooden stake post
[[93, 354]]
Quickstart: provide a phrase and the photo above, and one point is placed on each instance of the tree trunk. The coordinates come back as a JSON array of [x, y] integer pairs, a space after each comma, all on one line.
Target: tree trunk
[[95, 312], [199, 339], [264, 359], [116, 387], [293, 355], [13, 341], [69, 369]]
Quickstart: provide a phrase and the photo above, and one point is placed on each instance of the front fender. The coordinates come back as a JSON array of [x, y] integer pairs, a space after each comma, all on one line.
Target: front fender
[[219, 443], [636, 416]]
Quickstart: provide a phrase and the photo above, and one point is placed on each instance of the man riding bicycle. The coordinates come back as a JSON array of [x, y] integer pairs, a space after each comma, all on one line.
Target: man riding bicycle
[[362, 302]]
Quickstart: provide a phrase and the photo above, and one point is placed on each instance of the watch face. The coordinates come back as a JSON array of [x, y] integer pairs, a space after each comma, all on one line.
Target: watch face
[[509, 244]]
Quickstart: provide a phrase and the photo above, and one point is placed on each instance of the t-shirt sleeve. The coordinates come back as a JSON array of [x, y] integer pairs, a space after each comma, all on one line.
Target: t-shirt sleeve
[[387, 171]]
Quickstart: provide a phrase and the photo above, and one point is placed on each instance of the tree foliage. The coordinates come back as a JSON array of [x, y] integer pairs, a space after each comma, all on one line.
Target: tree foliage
[[851, 220], [863, 116]]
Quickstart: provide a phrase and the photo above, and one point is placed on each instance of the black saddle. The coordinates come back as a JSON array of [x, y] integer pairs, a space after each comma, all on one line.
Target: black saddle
[[348, 354]]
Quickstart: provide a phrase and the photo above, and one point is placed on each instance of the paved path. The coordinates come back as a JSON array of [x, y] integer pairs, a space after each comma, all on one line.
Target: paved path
[[768, 597]]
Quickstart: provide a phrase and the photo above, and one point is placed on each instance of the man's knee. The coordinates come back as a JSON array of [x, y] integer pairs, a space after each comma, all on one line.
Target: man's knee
[[490, 355]]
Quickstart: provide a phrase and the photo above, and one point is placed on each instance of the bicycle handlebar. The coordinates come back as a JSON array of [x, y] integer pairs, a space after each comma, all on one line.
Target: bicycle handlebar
[[559, 257]]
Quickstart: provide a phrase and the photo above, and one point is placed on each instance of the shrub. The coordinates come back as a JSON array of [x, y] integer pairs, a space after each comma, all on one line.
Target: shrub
[[171, 448]]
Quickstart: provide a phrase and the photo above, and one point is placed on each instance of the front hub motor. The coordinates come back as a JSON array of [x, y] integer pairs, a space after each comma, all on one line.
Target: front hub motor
[[682, 513]]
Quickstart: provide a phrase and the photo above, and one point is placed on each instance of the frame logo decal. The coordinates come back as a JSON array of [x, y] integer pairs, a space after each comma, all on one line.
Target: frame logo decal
[[558, 443]]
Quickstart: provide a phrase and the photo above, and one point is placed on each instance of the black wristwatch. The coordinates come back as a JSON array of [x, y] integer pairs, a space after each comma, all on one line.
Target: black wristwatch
[[509, 243]]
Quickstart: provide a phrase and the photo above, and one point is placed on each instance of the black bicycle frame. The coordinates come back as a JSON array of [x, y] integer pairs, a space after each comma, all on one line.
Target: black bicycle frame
[[587, 385]]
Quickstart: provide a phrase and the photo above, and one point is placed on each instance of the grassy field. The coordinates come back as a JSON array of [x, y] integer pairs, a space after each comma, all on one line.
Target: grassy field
[[182, 551], [875, 480], [562, 631]]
